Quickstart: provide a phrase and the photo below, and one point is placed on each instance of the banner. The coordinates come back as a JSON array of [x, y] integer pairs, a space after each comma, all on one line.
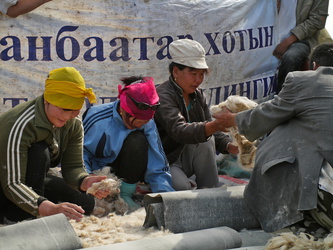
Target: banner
[[107, 40]]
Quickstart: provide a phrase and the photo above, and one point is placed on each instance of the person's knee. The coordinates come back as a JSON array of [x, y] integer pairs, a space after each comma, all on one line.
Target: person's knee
[[207, 147], [179, 180], [295, 56], [136, 141], [181, 186], [38, 153]]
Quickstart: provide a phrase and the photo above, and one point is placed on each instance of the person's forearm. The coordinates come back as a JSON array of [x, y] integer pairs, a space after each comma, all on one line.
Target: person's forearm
[[212, 127], [24, 6]]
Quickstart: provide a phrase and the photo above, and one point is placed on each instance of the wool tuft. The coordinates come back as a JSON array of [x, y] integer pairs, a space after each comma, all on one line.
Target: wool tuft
[[247, 149]]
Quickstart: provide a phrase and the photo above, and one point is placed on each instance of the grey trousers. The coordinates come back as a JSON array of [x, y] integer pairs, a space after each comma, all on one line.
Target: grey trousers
[[196, 166]]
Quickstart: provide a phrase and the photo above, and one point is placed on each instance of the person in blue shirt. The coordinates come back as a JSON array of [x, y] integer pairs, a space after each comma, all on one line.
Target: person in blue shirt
[[123, 135]]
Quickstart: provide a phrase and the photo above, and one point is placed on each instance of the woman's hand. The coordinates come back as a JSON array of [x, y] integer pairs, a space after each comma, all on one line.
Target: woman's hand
[[71, 211], [232, 149], [91, 179]]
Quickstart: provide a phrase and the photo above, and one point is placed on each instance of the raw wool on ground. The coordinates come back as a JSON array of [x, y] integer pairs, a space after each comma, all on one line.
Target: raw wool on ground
[[113, 202], [301, 242], [247, 149], [94, 231]]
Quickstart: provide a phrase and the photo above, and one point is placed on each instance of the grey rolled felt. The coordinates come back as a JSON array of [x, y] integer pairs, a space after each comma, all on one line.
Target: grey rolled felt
[[208, 239], [184, 211], [51, 232]]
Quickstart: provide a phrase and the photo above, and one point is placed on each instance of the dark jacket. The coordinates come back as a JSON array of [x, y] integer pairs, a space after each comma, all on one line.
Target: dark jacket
[[177, 126], [310, 21]]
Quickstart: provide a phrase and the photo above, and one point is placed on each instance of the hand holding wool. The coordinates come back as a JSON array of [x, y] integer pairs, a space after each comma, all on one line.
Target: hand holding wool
[[225, 114]]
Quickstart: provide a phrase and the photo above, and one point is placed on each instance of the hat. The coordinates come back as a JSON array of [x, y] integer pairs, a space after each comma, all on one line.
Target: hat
[[143, 92], [189, 53], [65, 88]]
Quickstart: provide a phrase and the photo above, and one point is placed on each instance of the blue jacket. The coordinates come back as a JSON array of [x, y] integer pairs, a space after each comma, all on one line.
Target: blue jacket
[[104, 120]]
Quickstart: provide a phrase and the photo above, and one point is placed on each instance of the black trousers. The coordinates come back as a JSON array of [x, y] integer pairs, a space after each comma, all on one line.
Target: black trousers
[[131, 163], [51, 187]]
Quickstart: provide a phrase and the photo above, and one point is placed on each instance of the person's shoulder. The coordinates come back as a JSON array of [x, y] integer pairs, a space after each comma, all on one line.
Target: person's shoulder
[[105, 107], [168, 89], [99, 113], [309, 73], [22, 107], [301, 74], [162, 86], [325, 70]]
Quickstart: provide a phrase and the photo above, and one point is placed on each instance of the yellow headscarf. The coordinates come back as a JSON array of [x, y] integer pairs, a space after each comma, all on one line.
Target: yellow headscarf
[[65, 88]]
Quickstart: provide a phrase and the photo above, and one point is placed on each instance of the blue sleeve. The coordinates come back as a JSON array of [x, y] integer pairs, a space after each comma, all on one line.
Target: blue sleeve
[[87, 156], [158, 170]]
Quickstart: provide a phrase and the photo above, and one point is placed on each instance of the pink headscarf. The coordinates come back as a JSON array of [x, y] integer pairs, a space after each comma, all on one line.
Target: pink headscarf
[[143, 91]]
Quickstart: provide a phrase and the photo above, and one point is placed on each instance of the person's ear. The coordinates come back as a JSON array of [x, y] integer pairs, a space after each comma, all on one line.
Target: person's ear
[[315, 66], [175, 72]]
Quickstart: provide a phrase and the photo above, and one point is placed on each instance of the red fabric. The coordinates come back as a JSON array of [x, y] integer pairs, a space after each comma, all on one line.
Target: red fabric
[[234, 180], [141, 92]]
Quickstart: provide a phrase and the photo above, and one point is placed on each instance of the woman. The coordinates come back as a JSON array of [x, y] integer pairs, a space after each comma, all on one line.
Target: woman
[[189, 136], [40, 134], [123, 135]]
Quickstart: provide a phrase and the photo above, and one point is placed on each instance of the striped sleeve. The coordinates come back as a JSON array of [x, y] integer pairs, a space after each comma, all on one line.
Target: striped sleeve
[[16, 162]]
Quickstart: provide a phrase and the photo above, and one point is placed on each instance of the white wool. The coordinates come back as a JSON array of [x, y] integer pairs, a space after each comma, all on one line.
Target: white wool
[[107, 184], [114, 228], [113, 202], [302, 241], [247, 149]]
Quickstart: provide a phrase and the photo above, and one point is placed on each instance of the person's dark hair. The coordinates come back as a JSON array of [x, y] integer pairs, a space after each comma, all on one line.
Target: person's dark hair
[[322, 55], [129, 80], [179, 66]]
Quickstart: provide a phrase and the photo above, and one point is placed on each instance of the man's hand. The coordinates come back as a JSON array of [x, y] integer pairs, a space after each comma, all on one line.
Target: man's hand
[[282, 47], [225, 119]]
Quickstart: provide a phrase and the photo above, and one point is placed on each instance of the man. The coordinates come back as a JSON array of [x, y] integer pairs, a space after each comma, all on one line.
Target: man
[[304, 29], [293, 161]]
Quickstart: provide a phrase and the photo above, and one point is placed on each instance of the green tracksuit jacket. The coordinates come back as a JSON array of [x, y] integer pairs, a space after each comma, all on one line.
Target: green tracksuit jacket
[[24, 125]]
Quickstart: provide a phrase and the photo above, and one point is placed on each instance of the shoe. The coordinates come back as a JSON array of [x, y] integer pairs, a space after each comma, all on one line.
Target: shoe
[[126, 192]]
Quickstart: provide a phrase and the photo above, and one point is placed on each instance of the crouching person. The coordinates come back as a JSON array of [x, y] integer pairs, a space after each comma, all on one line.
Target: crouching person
[[40, 134], [123, 135], [291, 183]]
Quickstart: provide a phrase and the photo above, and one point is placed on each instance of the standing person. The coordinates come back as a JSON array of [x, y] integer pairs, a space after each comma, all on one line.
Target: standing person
[[14, 8], [189, 136], [40, 134], [292, 176], [305, 29], [123, 135]]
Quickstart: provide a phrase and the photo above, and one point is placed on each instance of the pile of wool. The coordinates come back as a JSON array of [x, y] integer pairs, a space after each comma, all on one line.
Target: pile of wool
[[111, 229], [302, 241], [113, 202], [247, 149]]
